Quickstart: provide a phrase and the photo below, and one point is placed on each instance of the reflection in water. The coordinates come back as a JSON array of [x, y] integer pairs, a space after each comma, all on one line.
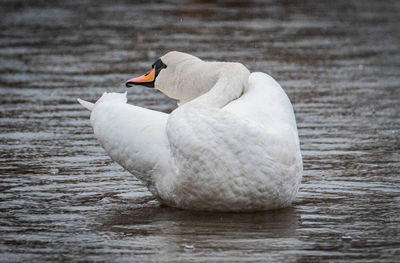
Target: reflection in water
[[63, 199], [274, 224], [175, 231]]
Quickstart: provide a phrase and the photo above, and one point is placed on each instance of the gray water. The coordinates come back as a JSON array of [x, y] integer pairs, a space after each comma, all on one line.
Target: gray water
[[63, 199]]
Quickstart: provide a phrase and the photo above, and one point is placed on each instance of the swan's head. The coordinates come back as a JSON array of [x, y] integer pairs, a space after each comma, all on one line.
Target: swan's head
[[179, 76]]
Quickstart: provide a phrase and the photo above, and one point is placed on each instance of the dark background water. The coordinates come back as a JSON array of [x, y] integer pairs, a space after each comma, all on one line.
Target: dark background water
[[63, 199]]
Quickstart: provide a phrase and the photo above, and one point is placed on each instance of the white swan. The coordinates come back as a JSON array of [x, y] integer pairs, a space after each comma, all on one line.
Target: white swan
[[231, 145]]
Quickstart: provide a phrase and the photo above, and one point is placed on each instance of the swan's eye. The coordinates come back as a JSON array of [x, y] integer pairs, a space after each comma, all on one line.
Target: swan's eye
[[159, 65]]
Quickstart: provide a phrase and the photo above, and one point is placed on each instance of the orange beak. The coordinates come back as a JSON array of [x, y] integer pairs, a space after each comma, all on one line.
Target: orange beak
[[144, 80]]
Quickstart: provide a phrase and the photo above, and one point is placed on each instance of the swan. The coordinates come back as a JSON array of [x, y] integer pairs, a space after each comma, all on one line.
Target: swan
[[230, 145]]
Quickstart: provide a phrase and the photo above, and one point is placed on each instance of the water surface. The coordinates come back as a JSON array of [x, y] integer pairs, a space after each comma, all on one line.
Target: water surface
[[63, 199]]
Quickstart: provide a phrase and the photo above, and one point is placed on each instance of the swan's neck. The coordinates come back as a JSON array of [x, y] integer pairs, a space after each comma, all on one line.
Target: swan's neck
[[232, 81]]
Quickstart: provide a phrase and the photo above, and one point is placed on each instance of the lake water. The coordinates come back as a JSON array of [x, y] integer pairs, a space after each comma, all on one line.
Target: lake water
[[63, 199]]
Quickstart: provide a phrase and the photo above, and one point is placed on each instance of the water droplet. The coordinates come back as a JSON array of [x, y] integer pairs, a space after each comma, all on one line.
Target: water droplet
[[190, 246], [346, 238], [54, 171]]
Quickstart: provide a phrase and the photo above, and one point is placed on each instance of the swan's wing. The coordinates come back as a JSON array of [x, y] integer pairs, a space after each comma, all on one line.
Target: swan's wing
[[133, 136], [228, 163], [264, 102]]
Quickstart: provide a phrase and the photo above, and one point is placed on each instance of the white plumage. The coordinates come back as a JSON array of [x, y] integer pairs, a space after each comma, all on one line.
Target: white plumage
[[231, 145]]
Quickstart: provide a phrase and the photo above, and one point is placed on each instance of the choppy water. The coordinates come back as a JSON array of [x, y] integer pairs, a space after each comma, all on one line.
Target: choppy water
[[63, 199]]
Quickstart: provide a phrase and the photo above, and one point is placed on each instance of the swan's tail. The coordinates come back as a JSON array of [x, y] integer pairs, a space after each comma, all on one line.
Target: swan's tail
[[88, 105]]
